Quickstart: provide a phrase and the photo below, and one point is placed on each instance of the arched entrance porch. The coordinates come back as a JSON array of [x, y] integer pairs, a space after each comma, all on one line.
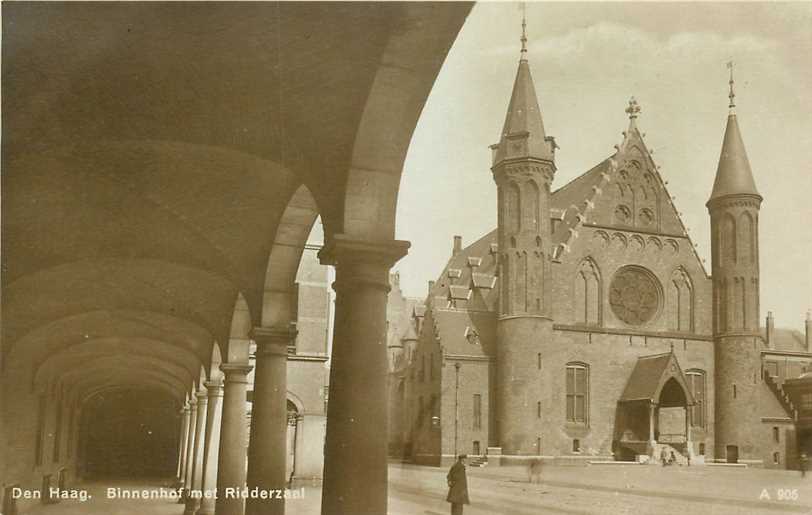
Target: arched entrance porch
[[654, 413]]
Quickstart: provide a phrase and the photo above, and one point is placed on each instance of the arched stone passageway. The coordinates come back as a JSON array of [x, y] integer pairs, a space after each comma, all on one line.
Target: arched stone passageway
[[158, 191], [128, 434]]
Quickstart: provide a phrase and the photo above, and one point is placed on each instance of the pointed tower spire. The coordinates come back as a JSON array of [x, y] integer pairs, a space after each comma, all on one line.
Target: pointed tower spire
[[733, 175], [734, 208], [523, 169], [523, 133]]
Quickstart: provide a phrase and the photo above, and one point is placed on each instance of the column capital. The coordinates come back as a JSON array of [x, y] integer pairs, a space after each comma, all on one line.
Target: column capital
[[343, 250], [202, 395], [362, 262], [236, 372], [273, 340], [214, 387]]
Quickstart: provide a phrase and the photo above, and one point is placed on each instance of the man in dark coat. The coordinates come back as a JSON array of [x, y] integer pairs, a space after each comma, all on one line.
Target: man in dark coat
[[457, 486]]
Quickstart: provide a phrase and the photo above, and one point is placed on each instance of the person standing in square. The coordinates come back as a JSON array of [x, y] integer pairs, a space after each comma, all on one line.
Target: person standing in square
[[457, 486]]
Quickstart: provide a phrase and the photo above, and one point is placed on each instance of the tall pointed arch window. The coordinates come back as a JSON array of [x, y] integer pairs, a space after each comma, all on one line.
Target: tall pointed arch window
[[747, 238], [513, 207], [681, 301], [577, 384], [587, 293], [727, 239], [696, 384], [535, 200]]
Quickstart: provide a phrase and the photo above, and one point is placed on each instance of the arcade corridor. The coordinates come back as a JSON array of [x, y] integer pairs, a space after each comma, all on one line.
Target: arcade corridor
[[163, 165]]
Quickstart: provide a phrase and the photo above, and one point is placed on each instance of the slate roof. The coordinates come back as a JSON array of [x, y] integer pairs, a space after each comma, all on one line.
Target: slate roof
[[647, 375], [451, 327], [786, 339], [524, 118], [733, 175]]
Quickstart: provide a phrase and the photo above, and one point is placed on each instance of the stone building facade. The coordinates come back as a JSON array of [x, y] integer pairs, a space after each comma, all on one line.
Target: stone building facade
[[585, 326]]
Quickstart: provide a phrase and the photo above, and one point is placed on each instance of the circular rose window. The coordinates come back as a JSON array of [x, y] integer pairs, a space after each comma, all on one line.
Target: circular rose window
[[634, 295]]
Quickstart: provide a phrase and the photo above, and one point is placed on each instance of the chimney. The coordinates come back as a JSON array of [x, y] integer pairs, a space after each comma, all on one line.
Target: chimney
[[457, 245], [770, 330], [808, 330]]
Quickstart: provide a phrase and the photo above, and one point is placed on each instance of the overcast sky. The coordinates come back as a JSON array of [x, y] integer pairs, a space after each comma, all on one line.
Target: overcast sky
[[587, 59]]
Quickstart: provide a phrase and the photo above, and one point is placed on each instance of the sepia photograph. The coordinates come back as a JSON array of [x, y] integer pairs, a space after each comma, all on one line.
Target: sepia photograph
[[405, 258]]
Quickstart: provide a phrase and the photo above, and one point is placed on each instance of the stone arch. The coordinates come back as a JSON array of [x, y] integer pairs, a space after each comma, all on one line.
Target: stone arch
[[620, 241], [601, 238], [215, 374], [587, 293], [637, 243], [237, 347], [654, 244], [295, 226], [396, 98], [297, 402]]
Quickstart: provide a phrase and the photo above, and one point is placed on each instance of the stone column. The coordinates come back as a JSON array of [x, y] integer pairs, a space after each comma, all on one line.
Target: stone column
[[231, 460], [193, 500], [184, 436], [212, 446], [355, 458], [190, 444], [652, 443], [688, 422], [267, 449]]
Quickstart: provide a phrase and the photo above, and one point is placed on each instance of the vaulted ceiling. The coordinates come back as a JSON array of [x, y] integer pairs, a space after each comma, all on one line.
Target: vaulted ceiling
[[150, 152]]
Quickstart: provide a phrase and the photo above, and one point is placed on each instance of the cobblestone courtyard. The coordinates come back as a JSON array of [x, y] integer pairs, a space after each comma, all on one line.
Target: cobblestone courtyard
[[603, 489]]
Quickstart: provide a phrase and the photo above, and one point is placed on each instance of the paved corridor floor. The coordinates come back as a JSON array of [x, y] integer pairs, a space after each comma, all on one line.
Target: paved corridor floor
[[607, 489]]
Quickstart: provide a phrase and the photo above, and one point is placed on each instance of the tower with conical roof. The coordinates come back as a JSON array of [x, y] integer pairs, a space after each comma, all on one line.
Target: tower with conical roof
[[523, 168], [734, 207]]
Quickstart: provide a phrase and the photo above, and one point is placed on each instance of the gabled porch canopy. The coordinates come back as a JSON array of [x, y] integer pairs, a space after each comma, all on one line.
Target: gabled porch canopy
[[658, 379]]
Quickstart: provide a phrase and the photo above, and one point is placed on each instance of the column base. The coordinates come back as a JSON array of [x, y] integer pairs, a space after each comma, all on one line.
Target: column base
[[191, 507]]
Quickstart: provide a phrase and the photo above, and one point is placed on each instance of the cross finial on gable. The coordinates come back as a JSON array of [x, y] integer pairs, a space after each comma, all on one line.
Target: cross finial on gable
[[634, 108]]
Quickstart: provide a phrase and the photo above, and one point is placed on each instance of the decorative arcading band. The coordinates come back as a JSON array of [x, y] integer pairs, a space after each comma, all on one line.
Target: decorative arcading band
[[735, 200]]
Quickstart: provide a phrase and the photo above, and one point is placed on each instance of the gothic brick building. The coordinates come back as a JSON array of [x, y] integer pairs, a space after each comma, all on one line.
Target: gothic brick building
[[585, 326]]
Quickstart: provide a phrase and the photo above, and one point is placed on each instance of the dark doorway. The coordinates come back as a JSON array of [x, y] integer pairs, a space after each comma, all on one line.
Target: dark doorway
[[477, 450], [732, 453], [129, 434]]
